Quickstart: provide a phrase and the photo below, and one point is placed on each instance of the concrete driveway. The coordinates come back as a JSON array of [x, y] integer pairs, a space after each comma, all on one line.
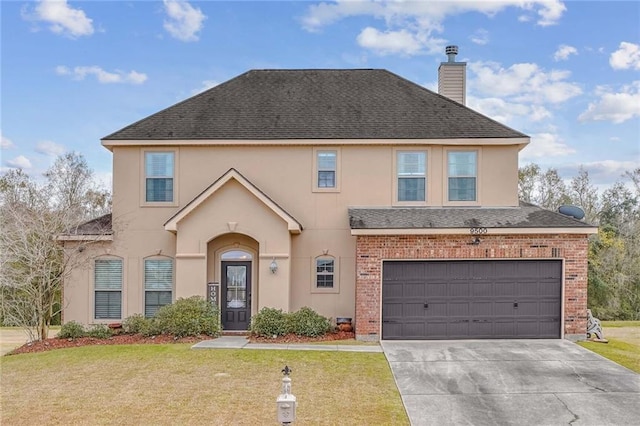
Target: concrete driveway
[[511, 382]]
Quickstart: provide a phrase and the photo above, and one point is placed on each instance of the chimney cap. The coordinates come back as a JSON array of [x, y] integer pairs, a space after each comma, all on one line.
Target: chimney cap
[[451, 51]]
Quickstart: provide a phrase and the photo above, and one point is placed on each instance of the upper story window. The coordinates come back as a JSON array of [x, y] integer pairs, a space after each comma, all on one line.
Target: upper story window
[[411, 169], [108, 288], [159, 171], [326, 163], [462, 171]]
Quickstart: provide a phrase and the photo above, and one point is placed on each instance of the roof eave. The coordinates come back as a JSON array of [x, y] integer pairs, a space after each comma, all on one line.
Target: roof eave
[[587, 230]]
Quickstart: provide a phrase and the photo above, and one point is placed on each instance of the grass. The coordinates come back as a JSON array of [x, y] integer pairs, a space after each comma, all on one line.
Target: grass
[[173, 384], [623, 346]]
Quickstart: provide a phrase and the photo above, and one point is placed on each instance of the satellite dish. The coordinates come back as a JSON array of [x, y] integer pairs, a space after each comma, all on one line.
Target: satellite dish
[[573, 211]]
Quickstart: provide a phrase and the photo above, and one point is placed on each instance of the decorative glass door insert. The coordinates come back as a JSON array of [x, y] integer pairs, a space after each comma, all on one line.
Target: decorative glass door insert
[[236, 286]]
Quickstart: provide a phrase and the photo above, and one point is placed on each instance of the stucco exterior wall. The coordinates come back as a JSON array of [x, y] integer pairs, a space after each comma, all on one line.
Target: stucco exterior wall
[[373, 250], [366, 177]]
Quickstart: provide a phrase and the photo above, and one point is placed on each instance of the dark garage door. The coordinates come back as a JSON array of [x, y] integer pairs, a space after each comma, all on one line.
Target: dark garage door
[[480, 299]]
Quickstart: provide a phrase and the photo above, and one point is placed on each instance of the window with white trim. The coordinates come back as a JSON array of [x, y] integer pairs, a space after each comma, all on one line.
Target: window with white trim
[[327, 168], [325, 271], [158, 171], [462, 175], [108, 288], [411, 169], [158, 284]]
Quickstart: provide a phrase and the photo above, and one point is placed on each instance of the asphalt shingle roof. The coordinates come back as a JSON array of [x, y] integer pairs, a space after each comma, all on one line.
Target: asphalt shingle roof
[[98, 226], [316, 104], [524, 216]]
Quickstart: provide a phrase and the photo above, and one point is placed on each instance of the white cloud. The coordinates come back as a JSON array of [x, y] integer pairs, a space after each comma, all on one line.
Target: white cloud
[[480, 37], [614, 139], [425, 15], [20, 162], [627, 56], [62, 18], [183, 20], [506, 112], [524, 82], [544, 145], [411, 26], [614, 106], [105, 77], [49, 148], [390, 42], [564, 51], [5, 142], [206, 85]]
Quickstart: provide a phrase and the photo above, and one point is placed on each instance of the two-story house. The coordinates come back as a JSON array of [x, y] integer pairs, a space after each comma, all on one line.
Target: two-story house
[[354, 192]]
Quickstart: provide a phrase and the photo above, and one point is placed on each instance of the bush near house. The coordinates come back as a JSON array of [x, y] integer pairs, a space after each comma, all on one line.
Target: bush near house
[[193, 316], [270, 322]]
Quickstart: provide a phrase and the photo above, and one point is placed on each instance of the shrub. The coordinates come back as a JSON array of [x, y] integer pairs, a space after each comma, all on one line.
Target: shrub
[[135, 324], [269, 322], [72, 330], [307, 322], [188, 317], [99, 331]]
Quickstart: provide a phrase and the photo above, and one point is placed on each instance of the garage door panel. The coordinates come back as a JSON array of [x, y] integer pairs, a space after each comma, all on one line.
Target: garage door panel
[[414, 289], [435, 289], [481, 309], [471, 299], [436, 309]]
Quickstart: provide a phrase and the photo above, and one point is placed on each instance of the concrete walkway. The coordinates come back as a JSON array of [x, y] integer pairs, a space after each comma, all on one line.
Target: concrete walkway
[[511, 382], [239, 342]]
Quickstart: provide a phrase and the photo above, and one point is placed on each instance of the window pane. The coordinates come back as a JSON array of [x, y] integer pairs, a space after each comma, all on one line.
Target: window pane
[[326, 179], [236, 255], [154, 300], [462, 164], [108, 274], [158, 274], [325, 281], [411, 189], [462, 189], [326, 160], [324, 265], [159, 164], [411, 163], [108, 304], [159, 189]]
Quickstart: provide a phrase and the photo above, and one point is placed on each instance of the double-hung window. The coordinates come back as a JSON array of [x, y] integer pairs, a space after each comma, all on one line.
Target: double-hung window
[[158, 283], [159, 170], [325, 269], [411, 169], [327, 167], [462, 174], [108, 288]]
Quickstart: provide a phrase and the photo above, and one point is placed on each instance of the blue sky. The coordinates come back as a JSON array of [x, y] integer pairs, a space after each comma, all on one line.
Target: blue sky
[[565, 73]]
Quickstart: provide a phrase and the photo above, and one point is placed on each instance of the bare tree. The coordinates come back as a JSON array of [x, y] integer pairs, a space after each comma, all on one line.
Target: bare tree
[[33, 264], [528, 177], [585, 195]]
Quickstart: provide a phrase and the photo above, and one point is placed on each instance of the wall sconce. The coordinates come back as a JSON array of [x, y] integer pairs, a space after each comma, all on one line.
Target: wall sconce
[[273, 267], [475, 241]]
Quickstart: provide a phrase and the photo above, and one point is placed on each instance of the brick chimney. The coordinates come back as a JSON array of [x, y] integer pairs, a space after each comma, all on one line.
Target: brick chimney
[[452, 77]]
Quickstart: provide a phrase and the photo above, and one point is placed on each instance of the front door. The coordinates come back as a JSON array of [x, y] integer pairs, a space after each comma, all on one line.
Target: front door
[[236, 295]]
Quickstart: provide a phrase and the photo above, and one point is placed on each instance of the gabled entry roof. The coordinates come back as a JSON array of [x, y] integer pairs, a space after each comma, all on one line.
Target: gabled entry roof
[[316, 104], [292, 224]]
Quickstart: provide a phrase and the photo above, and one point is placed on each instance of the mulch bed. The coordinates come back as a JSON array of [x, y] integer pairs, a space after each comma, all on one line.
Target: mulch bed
[[130, 339]]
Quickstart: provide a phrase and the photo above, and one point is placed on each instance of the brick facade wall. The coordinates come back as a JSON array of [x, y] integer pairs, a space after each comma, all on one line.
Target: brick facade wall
[[372, 250]]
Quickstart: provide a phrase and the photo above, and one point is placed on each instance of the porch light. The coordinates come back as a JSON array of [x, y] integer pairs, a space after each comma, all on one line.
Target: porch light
[[273, 267]]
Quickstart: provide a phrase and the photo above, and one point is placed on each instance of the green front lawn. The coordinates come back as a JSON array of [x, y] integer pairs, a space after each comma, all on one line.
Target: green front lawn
[[173, 384], [623, 346]]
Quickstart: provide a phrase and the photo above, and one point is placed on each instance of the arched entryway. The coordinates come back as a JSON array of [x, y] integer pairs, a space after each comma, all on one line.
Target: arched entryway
[[231, 272]]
